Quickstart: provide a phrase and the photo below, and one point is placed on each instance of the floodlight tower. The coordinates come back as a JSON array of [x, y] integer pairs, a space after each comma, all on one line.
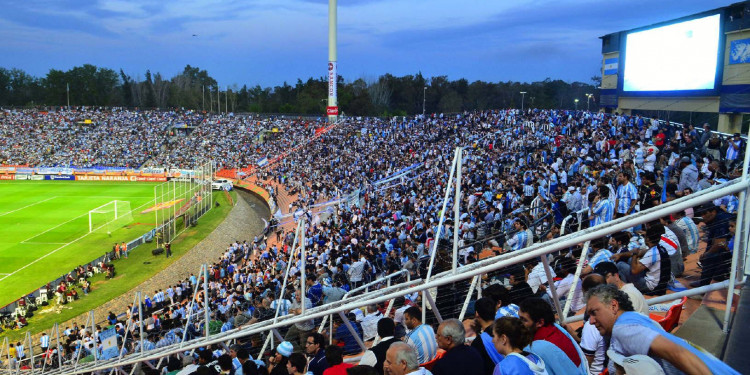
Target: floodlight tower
[[523, 95], [333, 110]]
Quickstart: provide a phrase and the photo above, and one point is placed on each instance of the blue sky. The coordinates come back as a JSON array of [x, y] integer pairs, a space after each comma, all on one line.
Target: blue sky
[[267, 42]]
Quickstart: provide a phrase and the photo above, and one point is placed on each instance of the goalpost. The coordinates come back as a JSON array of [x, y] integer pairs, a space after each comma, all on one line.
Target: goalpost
[[110, 216]]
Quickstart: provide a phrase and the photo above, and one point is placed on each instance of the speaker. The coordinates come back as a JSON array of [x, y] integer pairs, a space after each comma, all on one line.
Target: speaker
[[157, 251]]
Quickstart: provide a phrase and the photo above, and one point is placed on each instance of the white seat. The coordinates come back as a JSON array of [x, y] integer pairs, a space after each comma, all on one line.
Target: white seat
[[39, 300], [44, 297], [70, 298]]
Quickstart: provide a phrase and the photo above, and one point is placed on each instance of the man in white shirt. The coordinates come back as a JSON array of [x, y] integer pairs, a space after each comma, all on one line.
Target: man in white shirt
[[612, 276], [370, 322]]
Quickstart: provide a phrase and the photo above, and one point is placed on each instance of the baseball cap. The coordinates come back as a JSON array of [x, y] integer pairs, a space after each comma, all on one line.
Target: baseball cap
[[636, 364]]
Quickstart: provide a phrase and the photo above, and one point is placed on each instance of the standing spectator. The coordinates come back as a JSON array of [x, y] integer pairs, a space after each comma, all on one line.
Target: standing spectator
[[734, 148], [375, 356], [458, 358], [316, 353], [716, 260], [44, 342], [627, 195], [298, 332], [688, 175], [511, 337], [630, 333], [421, 336]]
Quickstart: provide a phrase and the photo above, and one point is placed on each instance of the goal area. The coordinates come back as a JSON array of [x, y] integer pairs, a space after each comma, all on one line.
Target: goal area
[[110, 216]]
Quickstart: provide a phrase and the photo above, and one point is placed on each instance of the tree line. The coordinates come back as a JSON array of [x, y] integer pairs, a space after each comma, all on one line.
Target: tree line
[[194, 88]]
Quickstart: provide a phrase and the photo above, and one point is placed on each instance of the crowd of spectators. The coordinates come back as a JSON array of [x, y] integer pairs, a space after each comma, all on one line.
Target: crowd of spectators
[[372, 192]]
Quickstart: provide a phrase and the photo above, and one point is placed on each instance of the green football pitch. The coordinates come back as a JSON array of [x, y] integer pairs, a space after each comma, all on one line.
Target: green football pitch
[[44, 228]]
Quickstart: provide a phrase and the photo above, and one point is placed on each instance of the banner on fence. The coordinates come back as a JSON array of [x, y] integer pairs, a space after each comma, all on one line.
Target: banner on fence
[[62, 177]]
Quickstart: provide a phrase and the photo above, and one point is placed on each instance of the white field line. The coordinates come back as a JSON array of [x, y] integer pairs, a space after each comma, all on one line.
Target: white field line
[[46, 243], [27, 206], [7, 275]]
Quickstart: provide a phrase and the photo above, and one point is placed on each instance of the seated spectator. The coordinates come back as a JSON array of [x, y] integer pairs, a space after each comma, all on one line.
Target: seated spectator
[[401, 359], [316, 353], [335, 359], [370, 322], [649, 270], [375, 356], [511, 337], [551, 343], [344, 338], [361, 370], [612, 276], [630, 334], [565, 268], [484, 314], [458, 358], [277, 362], [421, 336], [297, 364]]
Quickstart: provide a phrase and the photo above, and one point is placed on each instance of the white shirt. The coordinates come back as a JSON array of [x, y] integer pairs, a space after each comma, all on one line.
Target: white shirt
[[369, 359]]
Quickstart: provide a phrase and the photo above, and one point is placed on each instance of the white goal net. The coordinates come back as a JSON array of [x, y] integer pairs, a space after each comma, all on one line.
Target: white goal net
[[110, 216]]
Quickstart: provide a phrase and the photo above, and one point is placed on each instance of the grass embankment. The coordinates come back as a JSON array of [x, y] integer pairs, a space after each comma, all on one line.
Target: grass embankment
[[139, 267]]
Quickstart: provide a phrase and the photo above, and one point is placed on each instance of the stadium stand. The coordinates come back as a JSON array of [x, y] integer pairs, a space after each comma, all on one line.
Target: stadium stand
[[370, 227]]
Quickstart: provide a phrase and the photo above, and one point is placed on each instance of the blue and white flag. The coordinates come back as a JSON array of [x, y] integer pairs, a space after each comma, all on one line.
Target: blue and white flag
[[263, 162], [611, 66]]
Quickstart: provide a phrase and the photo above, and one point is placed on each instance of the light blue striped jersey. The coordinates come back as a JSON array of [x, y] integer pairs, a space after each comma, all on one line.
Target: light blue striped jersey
[[423, 340]]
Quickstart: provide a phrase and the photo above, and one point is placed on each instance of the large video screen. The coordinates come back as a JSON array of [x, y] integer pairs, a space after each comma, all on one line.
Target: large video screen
[[681, 56]]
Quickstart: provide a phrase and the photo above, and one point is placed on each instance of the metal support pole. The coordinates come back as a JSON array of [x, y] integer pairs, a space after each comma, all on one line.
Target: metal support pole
[[190, 311], [457, 207], [576, 280], [552, 288], [206, 313], [469, 294], [435, 310], [352, 331], [140, 319], [277, 334], [303, 259], [58, 347], [30, 344], [442, 217], [739, 240], [93, 330]]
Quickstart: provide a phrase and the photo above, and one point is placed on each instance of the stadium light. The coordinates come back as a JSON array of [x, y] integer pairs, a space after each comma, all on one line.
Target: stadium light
[[523, 95], [588, 101], [424, 100], [576, 101]]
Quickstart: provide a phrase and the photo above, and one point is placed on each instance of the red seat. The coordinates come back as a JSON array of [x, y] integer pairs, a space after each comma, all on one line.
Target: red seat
[[428, 365], [669, 321]]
